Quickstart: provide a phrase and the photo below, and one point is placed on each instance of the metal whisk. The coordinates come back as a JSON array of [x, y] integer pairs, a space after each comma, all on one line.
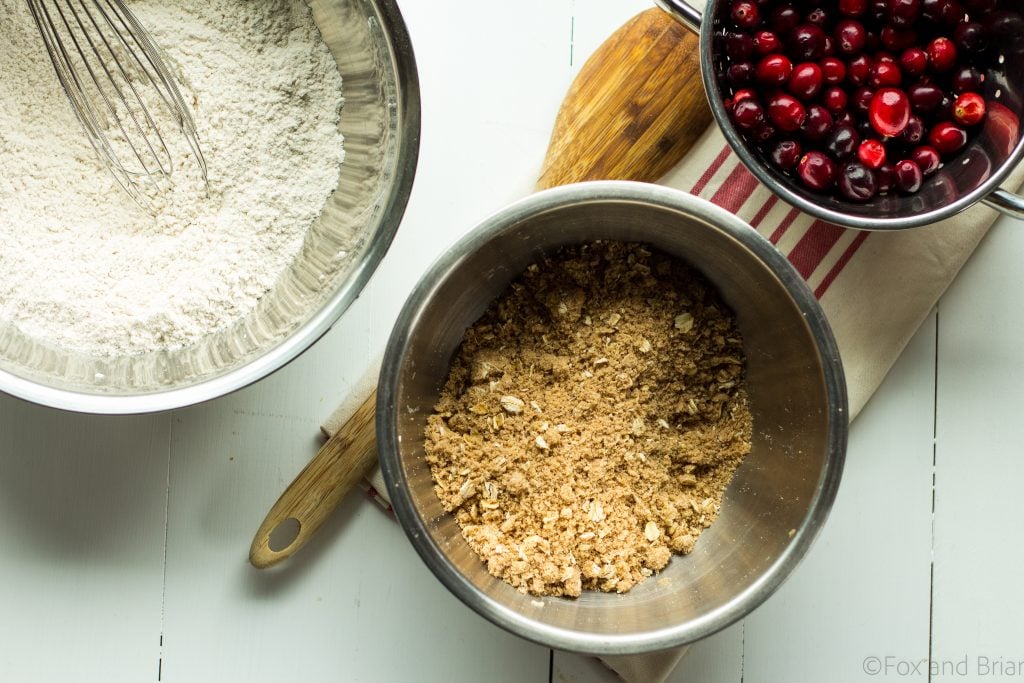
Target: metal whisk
[[116, 79]]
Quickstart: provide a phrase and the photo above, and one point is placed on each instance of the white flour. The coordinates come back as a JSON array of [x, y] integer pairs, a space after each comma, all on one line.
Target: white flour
[[81, 265]]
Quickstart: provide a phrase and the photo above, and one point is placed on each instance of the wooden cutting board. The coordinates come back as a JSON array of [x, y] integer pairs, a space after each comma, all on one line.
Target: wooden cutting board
[[634, 110]]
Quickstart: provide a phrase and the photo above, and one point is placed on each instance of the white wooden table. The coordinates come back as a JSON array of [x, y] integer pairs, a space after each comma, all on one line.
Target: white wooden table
[[123, 541]]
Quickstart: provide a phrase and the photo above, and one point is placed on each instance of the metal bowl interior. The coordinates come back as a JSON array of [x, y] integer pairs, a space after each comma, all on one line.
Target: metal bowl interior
[[381, 125], [971, 176], [780, 495]]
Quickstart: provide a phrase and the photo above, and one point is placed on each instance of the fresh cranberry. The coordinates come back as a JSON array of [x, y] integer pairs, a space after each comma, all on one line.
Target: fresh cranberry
[[904, 12], [817, 171], [835, 99], [927, 158], [766, 42], [941, 54], [884, 74], [857, 182], [833, 71], [966, 79], [740, 73], [897, 39], [924, 97], [850, 36], [744, 94], [784, 19], [786, 153], [773, 70], [908, 176], [947, 137], [748, 114], [858, 70], [889, 111], [871, 153], [861, 99], [745, 14], [830, 46], [914, 132], [853, 8], [842, 143], [914, 61], [807, 42], [969, 109], [818, 123], [786, 112], [738, 46], [970, 37], [886, 177], [806, 80]]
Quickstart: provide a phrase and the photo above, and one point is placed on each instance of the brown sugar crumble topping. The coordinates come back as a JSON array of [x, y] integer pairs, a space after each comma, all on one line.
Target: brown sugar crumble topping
[[592, 420]]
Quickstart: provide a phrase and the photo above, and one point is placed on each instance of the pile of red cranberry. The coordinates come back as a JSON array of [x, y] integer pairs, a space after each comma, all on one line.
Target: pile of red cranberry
[[856, 97]]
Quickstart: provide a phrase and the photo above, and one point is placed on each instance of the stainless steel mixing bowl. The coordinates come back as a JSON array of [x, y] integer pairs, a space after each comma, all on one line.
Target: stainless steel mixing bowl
[[381, 125], [780, 495]]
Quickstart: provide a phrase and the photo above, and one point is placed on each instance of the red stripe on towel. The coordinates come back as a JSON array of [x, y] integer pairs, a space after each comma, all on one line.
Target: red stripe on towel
[[735, 190], [813, 246], [784, 226], [712, 170], [768, 206], [840, 264]]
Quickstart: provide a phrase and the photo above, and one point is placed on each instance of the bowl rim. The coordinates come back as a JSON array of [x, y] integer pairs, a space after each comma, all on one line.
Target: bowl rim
[[408, 113], [616, 644]]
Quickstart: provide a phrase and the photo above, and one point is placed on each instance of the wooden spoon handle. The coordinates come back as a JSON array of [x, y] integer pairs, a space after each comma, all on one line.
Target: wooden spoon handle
[[634, 110], [344, 460]]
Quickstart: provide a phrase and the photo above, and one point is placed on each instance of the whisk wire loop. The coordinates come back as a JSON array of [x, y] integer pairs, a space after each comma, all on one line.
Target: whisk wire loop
[[113, 74], [164, 167], [170, 93]]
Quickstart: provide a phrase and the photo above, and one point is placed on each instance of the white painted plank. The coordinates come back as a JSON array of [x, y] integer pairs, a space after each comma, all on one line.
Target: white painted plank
[[82, 504], [492, 77], [862, 590], [978, 555]]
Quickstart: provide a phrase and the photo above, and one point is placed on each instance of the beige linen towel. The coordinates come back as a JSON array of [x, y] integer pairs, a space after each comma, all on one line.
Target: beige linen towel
[[875, 288]]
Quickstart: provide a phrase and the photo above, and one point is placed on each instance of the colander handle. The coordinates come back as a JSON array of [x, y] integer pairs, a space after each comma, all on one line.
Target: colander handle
[[683, 12], [1006, 202]]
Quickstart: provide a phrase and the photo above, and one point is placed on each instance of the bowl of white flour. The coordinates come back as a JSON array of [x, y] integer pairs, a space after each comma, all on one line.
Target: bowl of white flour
[[308, 114]]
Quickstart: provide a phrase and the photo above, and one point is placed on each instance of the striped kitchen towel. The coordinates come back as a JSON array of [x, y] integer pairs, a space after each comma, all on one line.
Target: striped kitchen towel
[[875, 288]]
